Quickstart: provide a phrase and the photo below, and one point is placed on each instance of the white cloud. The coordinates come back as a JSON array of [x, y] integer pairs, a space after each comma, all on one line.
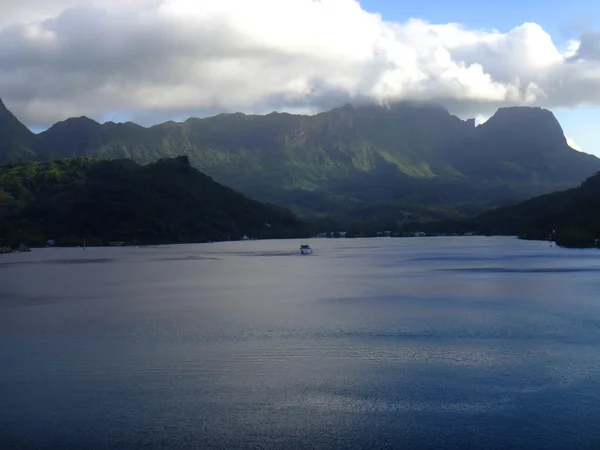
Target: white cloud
[[162, 58], [571, 143], [481, 119]]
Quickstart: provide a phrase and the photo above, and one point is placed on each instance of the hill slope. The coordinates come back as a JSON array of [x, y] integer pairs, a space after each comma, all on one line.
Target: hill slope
[[571, 217], [163, 202], [17, 142], [353, 162]]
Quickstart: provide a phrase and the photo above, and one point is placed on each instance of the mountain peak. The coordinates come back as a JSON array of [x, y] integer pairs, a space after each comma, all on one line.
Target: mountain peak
[[181, 160], [16, 140], [76, 124], [8, 122], [522, 112], [527, 121], [519, 115], [6, 114], [81, 119]]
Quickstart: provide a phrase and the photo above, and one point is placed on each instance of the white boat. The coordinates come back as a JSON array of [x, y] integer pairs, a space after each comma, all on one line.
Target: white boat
[[305, 249]]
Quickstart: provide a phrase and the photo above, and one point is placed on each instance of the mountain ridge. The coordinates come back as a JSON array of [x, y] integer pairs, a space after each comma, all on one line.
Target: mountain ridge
[[386, 159]]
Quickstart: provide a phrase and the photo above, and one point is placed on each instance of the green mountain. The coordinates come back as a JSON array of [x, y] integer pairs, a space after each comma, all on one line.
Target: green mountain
[[407, 161], [523, 145], [163, 202], [571, 217]]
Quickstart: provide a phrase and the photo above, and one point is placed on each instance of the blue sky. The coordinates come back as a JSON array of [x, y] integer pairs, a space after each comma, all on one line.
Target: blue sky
[[563, 20]]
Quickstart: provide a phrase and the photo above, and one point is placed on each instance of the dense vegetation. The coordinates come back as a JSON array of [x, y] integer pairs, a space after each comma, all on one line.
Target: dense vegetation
[[351, 164], [571, 217], [164, 202]]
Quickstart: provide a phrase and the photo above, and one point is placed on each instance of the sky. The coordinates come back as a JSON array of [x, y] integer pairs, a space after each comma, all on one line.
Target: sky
[[156, 60], [564, 21]]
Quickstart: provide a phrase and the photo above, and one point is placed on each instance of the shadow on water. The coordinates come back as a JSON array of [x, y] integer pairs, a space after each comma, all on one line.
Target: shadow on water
[[270, 253], [521, 270], [59, 262], [186, 258], [13, 300], [508, 257]]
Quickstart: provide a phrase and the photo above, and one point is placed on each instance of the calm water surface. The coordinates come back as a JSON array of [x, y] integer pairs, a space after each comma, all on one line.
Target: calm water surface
[[384, 343]]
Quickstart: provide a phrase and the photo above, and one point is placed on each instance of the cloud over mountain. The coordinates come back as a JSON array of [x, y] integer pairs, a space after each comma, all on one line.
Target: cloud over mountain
[[161, 58]]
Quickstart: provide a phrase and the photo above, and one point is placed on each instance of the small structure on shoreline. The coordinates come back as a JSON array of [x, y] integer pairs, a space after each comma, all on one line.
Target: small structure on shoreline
[[20, 249]]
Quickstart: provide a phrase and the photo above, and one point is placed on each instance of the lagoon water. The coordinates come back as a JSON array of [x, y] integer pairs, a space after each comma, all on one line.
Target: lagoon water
[[446, 343]]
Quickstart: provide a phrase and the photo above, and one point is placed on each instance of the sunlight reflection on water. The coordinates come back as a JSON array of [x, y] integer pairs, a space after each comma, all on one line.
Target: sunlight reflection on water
[[380, 343]]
